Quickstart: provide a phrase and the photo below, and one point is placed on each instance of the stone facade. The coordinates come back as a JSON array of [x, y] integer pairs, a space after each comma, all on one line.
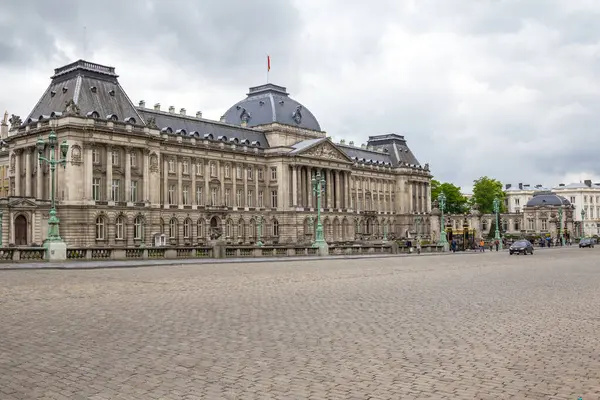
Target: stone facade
[[133, 172]]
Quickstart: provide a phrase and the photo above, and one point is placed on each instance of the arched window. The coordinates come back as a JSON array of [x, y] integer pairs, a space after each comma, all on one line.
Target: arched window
[[200, 227], [138, 228], [173, 228], [229, 228], [241, 227], [100, 228], [275, 228], [187, 228], [120, 228]]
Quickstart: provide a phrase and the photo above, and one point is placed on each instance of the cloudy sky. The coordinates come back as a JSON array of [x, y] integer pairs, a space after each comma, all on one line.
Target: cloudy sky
[[505, 88]]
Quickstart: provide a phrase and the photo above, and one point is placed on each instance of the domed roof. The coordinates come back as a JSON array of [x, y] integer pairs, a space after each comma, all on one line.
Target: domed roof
[[547, 199], [270, 103]]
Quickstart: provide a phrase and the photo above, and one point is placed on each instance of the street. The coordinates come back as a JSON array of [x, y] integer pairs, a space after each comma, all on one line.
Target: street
[[458, 326]]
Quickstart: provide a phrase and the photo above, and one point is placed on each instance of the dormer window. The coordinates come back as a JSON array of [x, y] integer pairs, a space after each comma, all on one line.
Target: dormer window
[[130, 120], [93, 89], [166, 129], [181, 132], [93, 114], [112, 117], [111, 93], [64, 89], [208, 136]]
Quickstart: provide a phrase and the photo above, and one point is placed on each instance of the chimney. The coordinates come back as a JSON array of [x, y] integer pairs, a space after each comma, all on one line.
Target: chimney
[[351, 143], [222, 118], [343, 141], [172, 109], [521, 186], [182, 111], [561, 185], [363, 146], [142, 104], [538, 186], [588, 182], [198, 114], [508, 186], [157, 107]]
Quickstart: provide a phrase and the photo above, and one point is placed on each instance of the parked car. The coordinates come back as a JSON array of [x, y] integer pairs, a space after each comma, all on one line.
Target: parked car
[[586, 242], [521, 247]]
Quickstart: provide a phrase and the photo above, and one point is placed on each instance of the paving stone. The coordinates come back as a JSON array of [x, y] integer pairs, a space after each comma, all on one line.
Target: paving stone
[[453, 326]]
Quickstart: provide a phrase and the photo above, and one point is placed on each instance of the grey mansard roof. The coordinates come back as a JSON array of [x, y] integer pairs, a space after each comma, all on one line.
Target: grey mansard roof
[[93, 88], [547, 199], [270, 103]]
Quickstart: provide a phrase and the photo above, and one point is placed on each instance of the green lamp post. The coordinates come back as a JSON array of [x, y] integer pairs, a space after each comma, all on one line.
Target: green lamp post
[[259, 223], [560, 226], [496, 205], [385, 225], [442, 205], [54, 251], [418, 222], [582, 229], [318, 186]]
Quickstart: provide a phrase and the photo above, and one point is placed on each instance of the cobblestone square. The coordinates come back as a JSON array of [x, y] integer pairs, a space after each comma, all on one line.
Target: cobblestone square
[[477, 326]]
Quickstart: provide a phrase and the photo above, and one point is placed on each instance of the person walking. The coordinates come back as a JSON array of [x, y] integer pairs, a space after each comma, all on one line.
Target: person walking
[[497, 243], [482, 246]]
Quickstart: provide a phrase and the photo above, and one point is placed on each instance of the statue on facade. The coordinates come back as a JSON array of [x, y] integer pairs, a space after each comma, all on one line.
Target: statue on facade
[[71, 108], [151, 123], [15, 121], [215, 233]]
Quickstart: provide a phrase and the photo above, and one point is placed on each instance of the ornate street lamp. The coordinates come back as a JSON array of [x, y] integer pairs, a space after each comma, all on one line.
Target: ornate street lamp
[[581, 229], [53, 243], [259, 223], [318, 186], [442, 205], [560, 226], [496, 205], [385, 225]]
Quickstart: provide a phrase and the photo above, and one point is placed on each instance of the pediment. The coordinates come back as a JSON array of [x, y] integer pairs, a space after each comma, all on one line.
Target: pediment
[[22, 203], [326, 151]]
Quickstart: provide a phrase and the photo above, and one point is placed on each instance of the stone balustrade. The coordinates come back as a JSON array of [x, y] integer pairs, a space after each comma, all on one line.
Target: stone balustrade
[[11, 254]]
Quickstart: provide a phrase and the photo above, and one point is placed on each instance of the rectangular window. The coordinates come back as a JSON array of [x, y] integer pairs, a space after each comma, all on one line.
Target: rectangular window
[[228, 197], [213, 197], [531, 226], [96, 189], [133, 159], [186, 168], [572, 199], [249, 198], [115, 190], [517, 202], [186, 195], [171, 166], [171, 199], [115, 157], [96, 156], [227, 171], [273, 173], [134, 191], [213, 169], [274, 198], [199, 169], [591, 211], [585, 199], [260, 174], [260, 199], [238, 198], [199, 198], [250, 173], [239, 172], [544, 224]]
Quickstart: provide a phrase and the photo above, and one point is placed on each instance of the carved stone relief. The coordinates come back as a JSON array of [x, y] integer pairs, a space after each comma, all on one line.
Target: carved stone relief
[[76, 155]]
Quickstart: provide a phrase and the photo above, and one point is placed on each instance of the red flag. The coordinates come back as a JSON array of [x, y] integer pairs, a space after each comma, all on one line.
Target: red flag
[[268, 63]]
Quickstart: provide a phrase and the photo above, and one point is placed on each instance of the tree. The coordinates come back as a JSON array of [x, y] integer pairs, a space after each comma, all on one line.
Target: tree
[[456, 203], [485, 190]]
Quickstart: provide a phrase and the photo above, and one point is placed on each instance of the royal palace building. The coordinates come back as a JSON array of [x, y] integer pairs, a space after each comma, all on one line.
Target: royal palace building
[[132, 172]]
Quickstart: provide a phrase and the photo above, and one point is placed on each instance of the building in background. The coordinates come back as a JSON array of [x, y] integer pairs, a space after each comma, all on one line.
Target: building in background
[[137, 171]]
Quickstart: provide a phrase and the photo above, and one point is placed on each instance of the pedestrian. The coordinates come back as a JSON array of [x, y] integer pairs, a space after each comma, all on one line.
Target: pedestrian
[[482, 246], [418, 247], [497, 244]]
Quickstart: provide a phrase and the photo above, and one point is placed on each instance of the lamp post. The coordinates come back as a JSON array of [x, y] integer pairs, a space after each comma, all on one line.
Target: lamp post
[[259, 222], [385, 225], [582, 230], [560, 226], [53, 243], [318, 186], [418, 222], [496, 205], [442, 205]]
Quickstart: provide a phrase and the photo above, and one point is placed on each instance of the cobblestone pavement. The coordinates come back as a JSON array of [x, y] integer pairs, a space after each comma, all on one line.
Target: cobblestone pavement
[[488, 326]]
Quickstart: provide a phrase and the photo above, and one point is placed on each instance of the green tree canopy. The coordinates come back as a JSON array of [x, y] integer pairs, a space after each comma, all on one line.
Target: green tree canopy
[[456, 203], [485, 190]]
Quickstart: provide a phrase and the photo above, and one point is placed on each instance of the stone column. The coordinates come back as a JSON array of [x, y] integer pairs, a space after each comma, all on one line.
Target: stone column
[[364, 193], [206, 183], [309, 191], [428, 198], [329, 188], [245, 194], [179, 181], [146, 178], [28, 171], [128, 153], [193, 176], [39, 182], [166, 181], [109, 173], [18, 154], [356, 180], [234, 179], [256, 188], [338, 187], [221, 197], [88, 171], [294, 186]]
